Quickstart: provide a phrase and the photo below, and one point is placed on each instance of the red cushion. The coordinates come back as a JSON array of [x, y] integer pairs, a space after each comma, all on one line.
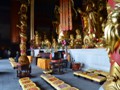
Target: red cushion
[[55, 61]]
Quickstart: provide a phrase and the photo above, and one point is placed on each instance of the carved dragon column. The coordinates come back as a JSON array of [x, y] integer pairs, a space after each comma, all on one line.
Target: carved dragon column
[[112, 36], [23, 60]]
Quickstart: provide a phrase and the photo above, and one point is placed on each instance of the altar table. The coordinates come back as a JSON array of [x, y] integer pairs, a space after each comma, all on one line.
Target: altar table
[[91, 58], [95, 58]]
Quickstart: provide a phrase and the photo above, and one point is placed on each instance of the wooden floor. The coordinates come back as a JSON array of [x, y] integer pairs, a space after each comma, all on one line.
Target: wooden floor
[[9, 81]]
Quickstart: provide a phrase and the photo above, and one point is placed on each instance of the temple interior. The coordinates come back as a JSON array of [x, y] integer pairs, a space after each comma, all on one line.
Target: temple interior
[[60, 45]]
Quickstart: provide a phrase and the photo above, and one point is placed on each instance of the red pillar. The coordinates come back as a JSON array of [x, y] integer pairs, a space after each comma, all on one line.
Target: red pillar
[[14, 21]]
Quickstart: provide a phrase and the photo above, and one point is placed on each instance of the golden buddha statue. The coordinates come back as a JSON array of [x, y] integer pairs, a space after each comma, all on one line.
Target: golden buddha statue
[[78, 39], [54, 43], [72, 40], [47, 43], [37, 39]]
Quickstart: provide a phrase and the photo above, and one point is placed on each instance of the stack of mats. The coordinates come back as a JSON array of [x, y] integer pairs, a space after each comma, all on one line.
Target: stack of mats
[[91, 75], [13, 63], [27, 84], [47, 71], [57, 83]]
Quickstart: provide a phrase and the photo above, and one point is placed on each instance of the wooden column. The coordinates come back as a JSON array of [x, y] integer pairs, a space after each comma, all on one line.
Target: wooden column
[[14, 21], [32, 20]]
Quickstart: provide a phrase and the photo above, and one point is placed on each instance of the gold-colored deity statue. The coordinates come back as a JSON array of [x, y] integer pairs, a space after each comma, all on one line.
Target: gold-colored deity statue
[[54, 43], [112, 36], [72, 41], [47, 43], [78, 39], [37, 39], [92, 18]]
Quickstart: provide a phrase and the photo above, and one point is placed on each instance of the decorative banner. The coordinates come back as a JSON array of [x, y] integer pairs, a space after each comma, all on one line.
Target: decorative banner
[[70, 16], [65, 15], [61, 15]]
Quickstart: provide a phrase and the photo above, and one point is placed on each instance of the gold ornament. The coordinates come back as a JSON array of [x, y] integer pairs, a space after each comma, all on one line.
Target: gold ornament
[[112, 36], [23, 60]]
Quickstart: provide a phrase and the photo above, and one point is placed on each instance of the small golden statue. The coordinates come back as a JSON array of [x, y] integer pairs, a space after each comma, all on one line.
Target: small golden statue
[[78, 39], [72, 40], [47, 43], [88, 42], [54, 43], [37, 39]]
